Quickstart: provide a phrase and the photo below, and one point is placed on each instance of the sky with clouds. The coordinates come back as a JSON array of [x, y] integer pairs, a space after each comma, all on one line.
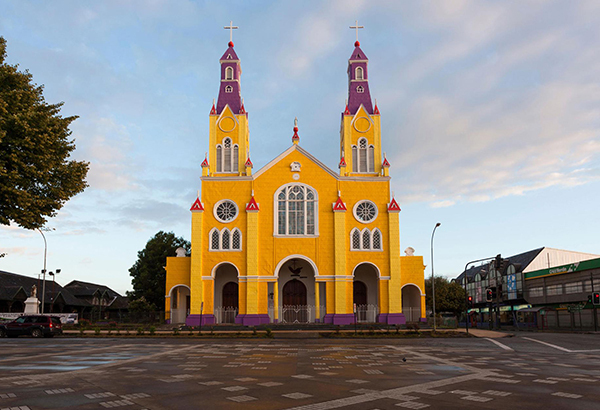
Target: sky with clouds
[[490, 116]]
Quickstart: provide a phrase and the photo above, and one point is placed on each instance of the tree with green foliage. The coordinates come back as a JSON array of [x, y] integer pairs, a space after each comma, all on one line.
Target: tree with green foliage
[[449, 296], [149, 273], [36, 175]]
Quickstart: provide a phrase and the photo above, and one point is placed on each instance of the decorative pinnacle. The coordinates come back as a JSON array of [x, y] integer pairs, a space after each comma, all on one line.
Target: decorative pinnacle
[[295, 138]]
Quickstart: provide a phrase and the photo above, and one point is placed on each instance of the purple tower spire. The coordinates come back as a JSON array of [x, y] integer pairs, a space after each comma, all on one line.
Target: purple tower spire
[[230, 90], [358, 81]]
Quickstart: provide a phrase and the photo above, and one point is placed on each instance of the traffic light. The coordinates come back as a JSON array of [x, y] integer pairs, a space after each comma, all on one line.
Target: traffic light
[[489, 296], [470, 301], [596, 298]]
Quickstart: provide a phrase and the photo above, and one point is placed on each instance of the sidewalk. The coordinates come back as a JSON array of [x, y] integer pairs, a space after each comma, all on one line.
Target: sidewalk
[[485, 333]]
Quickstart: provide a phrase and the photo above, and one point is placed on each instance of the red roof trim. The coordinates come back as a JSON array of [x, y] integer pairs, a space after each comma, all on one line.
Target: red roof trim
[[197, 205], [252, 205], [339, 205], [393, 206]]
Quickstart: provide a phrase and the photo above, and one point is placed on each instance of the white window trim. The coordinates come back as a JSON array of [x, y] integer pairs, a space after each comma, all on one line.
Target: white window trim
[[237, 211], [227, 71], [362, 74], [234, 164], [362, 249], [360, 89], [370, 163], [211, 249], [360, 220], [276, 233], [228, 89]]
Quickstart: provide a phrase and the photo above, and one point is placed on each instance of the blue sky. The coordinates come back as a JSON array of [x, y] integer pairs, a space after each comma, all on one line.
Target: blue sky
[[490, 116]]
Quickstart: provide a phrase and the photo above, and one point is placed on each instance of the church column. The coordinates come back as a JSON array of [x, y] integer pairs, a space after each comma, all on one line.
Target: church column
[[196, 268], [395, 315], [342, 303], [256, 291]]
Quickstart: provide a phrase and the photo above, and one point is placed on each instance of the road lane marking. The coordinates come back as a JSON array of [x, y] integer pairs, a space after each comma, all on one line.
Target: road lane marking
[[549, 344], [497, 343]]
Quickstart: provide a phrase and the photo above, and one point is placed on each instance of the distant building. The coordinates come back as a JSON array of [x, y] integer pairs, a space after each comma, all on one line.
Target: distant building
[[15, 289], [105, 302], [524, 280]]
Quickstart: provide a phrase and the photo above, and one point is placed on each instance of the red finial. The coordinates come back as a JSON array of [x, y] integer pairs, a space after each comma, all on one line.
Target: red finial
[[342, 163], [249, 163], [295, 138], [205, 162], [356, 43], [230, 44], [346, 111]]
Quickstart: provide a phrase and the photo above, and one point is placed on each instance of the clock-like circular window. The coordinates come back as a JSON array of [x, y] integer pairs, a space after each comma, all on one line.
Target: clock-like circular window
[[365, 211], [225, 210]]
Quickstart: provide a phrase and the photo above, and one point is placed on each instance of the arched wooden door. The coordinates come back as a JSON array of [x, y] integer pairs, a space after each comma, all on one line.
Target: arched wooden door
[[294, 293], [360, 293], [230, 295], [294, 302]]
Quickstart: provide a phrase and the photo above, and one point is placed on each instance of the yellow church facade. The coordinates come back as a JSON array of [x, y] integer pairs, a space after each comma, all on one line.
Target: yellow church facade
[[295, 242]]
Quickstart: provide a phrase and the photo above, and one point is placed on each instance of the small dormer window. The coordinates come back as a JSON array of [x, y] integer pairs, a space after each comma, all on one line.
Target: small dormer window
[[229, 56], [229, 73], [228, 89], [359, 73], [360, 89]]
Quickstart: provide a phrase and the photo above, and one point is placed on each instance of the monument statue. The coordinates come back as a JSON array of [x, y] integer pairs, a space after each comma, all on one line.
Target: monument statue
[[34, 291]]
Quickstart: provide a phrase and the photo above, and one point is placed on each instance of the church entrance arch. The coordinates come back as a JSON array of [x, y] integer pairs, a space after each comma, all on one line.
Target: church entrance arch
[[366, 292], [180, 303], [411, 303], [226, 293], [296, 288]]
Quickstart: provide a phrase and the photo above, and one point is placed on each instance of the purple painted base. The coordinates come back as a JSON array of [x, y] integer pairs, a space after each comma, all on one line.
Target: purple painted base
[[254, 320], [194, 320], [423, 320], [339, 319], [396, 319], [382, 318], [168, 321], [239, 319]]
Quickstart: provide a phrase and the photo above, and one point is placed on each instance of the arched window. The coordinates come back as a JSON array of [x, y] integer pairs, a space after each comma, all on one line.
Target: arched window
[[236, 239], [214, 239], [355, 241], [228, 89], [371, 159], [227, 156], [377, 239], [225, 239], [229, 73], [366, 239], [354, 158], [219, 158], [296, 206], [362, 155], [234, 165], [359, 74]]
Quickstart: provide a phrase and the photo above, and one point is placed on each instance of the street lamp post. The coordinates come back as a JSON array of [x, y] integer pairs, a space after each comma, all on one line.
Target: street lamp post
[[44, 270], [53, 288], [432, 275]]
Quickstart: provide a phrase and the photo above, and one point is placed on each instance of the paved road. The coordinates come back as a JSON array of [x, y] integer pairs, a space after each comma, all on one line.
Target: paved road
[[529, 371]]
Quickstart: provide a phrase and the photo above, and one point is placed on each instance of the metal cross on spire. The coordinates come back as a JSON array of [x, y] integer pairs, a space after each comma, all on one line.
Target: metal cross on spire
[[356, 27], [231, 27]]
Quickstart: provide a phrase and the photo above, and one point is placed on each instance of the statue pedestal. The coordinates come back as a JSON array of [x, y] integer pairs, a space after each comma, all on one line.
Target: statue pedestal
[[32, 305]]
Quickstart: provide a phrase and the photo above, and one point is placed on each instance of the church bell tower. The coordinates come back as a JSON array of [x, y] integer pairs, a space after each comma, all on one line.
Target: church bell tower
[[360, 133], [229, 144]]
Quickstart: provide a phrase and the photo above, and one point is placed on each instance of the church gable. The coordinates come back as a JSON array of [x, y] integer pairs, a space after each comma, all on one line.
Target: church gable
[[297, 161]]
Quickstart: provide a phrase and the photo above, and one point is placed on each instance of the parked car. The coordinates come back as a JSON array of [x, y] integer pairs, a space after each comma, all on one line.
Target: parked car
[[34, 325]]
